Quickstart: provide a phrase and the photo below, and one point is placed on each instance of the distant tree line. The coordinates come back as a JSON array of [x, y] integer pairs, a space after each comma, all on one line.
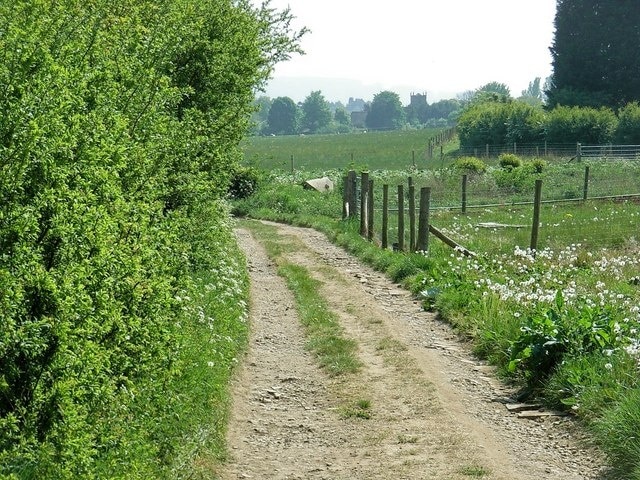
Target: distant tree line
[[283, 116], [591, 97]]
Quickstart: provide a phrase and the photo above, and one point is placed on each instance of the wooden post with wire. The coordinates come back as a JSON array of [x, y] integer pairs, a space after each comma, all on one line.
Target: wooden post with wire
[[385, 216], [535, 228], [370, 212], [464, 193], [400, 217], [423, 221], [585, 190], [364, 197], [352, 194], [345, 197], [412, 216]]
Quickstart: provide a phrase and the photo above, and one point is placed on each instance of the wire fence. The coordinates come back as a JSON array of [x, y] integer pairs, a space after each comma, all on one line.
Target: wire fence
[[595, 204], [628, 152], [538, 150], [546, 150]]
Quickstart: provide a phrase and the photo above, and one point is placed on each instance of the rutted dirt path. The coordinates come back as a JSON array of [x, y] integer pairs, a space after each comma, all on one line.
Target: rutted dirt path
[[436, 412]]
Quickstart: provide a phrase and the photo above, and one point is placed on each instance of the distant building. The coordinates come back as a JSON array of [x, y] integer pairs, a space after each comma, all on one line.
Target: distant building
[[355, 105], [418, 100], [358, 119]]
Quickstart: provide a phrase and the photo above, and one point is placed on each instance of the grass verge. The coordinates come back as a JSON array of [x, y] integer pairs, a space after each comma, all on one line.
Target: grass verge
[[335, 353]]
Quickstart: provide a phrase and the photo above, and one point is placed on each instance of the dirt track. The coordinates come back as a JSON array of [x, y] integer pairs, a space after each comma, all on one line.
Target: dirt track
[[436, 412]]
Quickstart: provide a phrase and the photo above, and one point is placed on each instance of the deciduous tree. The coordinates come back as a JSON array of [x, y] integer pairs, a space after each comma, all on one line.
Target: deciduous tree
[[386, 112], [283, 117], [316, 113]]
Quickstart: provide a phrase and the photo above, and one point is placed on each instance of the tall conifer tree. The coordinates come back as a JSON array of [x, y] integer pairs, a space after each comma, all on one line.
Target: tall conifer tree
[[595, 53]]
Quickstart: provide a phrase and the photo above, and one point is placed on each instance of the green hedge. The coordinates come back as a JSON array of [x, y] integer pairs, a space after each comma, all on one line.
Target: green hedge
[[505, 123], [118, 122]]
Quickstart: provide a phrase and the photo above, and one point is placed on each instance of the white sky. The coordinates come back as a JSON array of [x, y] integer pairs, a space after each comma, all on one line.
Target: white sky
[[442, 47]]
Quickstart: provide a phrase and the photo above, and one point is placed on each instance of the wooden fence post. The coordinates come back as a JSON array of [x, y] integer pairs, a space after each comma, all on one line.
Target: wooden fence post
[[537, 203], [352, 181], [370, 212], [412, 216], [345, 197], [585, 190], [464, 193], [364, 197], [579, 152], [423, 222], [385, 216], [400, 217], [292, 165]]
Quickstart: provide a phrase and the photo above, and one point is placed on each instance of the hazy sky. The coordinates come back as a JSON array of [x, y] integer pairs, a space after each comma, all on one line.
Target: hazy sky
[[440, 47]]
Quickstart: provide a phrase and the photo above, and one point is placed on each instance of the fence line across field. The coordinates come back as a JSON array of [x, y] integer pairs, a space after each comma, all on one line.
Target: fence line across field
[[545, 149], [424, 226], [468, 198]]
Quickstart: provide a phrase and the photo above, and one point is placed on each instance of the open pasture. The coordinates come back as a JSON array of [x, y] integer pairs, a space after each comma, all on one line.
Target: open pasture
[[373, 150]]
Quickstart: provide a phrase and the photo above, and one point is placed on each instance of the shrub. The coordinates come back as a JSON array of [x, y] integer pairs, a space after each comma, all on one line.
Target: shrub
[[498, 123], [580, 124], [470, 165], [509, 161], [628, 131], [119, 124], [244, 182], [557, 332], [538, 165]]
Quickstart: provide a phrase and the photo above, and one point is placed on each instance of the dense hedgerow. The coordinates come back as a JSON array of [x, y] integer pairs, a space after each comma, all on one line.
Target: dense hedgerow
[[506, 123], [118, 121]]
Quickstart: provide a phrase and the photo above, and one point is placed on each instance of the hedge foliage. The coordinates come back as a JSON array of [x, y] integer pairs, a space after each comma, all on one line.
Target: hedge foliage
[[119, 120], [513, 121]]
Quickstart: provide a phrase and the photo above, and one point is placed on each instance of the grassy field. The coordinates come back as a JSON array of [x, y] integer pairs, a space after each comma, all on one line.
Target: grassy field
[[375, 150]]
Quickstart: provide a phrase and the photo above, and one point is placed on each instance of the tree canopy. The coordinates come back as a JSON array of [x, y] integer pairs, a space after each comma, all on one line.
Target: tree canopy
[[385, 112], [595, 53], [316, 114], [283, 117]]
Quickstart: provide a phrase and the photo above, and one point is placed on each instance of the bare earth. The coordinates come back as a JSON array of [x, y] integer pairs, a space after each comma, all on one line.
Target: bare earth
[[436, 411]]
